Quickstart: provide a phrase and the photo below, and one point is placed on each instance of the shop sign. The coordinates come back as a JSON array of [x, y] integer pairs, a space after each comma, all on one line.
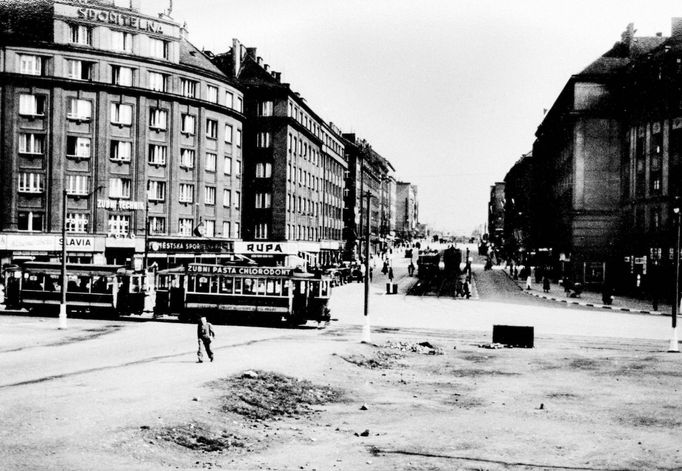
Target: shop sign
[[234, 270], [46, 243], [78, 244], [190, 245], [120, 19], [120, 205]]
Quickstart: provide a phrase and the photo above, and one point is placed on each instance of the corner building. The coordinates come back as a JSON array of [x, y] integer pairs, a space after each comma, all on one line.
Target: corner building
[[294, 178], [119, 110]]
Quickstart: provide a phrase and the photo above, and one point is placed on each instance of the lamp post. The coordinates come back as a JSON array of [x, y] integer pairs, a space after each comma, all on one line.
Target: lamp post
[[674, 344], [62, 304], [365, 327]]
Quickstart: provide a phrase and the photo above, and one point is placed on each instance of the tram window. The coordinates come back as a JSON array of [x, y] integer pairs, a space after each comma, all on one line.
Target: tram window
[[325, 288], [260, 286], [99, 284], [31, 283], [249, 286], [202, 284], [190, 284], [270, 286], [226, 284], [51, 282], [238, 286], [162, 282], [285, 287], [136, 284], [314, 288]]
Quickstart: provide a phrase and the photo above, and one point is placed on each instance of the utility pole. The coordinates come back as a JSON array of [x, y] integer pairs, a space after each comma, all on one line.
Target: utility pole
[[62, 305], [674, 343], [365, 327]]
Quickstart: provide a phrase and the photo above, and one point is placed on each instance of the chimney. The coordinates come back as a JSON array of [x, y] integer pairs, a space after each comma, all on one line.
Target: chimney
[[278, 76], [184, 32], [676, 27], [266, 67], [659, 34], [236, 56], [260, 61], [251, 52]]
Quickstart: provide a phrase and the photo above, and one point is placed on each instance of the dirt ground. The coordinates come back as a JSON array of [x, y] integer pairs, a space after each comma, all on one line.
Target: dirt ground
[[448, 404]]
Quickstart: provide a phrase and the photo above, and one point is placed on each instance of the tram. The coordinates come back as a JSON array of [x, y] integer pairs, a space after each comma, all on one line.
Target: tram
[[97, 289], [222, 290]]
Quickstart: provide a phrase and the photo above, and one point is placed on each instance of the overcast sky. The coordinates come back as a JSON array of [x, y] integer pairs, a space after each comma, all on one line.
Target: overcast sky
[[450, 91]]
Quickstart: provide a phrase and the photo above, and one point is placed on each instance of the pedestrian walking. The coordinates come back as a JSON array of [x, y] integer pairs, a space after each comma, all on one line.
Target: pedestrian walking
[[545, 284], [410, 268], [529, 280], [390, 274], [606, 294], [204, 336], [467, 287], [384, 268]]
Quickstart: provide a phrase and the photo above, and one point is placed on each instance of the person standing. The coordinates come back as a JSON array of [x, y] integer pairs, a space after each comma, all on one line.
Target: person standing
[[529, 279], [545, 284], [204, 336], [390, 274]]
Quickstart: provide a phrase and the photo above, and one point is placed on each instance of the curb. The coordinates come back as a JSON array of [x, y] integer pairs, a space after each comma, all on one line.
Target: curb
[[592, 304]]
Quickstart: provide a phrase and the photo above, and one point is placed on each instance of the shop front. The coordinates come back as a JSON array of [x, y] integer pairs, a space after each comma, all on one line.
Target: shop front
[[18, 247], [287, 254]]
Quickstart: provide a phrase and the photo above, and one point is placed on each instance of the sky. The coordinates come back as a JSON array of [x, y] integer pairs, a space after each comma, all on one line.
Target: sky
[[451, 92]]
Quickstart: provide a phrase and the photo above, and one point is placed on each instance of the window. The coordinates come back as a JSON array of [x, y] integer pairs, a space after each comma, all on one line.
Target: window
[[211, 162], [158, 48], [158, 119], [122, 75], [265, 108], [240, 104], [209, 195], [157, 155], [209, 228], [263, 140], [121, 151], [237, 199], [78, 109], [156, 191], [31, 105], [185, 226], [188, 88], [81, 35], [78, 147], [30, 183], [157, 82], [235, 234], [121, 41], [229, 99], [31, 65], [31, 143], [239, 138], [121, 114], [263, 200], [119, 224], [227, 198], [119, 188], [78, 70], [226, 229], [227, 164], [77, 185], [187, 158], [212, 129], [263, 170], [261, 231], [186, 193], [212, 94], [77, 222], [238, 167], [30, 221], [228, 133], [157, 225], [188, 124]]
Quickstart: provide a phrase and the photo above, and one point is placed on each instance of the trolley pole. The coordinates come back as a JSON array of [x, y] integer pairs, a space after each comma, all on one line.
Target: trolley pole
[[146, 238], [62, 305], [365, 327]]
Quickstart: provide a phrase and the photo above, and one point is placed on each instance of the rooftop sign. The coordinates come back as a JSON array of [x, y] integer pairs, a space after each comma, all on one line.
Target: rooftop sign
[[120, 19]]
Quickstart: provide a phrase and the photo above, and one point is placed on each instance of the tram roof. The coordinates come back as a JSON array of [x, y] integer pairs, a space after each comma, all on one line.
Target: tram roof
[[54, 268]]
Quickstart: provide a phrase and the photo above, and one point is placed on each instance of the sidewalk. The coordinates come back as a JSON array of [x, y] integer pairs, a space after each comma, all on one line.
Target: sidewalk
[[593, 299]]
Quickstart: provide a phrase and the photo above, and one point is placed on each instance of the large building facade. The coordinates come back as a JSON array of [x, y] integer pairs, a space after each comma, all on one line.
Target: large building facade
[[294, 179], [116, 113]]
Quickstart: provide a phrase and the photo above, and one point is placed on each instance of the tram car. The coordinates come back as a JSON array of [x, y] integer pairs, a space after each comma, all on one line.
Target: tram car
[[220, 291], [428, 265], [96, 289], [452, 259]]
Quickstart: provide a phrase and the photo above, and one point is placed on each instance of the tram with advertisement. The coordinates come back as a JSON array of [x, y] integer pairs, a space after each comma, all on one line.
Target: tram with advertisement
[[263, 292], [96, 289]]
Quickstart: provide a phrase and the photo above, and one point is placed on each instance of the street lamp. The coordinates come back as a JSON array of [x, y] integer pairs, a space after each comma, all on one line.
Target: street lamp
[[365, 327], [674, 344], [62, 304]]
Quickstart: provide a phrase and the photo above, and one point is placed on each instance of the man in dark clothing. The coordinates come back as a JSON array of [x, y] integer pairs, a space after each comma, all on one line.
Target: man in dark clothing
[[204, 336]]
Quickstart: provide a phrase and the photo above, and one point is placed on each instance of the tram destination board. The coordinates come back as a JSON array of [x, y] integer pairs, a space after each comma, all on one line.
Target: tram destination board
[[232, 270]]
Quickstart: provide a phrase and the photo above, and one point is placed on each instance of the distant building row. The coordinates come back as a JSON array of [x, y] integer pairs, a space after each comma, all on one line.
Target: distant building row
[[598, 196], [161, 148]]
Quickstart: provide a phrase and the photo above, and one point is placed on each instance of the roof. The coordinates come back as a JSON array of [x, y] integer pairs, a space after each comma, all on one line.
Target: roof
[[190, 55]]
